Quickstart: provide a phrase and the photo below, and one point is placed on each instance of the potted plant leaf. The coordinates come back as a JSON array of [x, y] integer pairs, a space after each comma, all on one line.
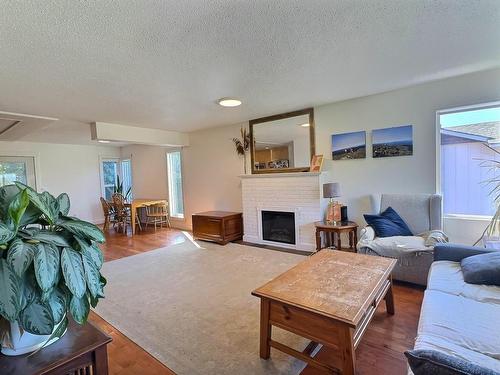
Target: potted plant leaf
[[49, 266], [118, 189]]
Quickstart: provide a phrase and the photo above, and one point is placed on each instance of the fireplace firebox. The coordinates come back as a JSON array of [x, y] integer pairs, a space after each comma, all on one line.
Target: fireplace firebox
[[278, 226]]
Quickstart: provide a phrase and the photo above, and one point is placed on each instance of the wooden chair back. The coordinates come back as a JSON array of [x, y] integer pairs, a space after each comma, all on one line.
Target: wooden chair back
[[119, 203], [105, 207], [157, 209]]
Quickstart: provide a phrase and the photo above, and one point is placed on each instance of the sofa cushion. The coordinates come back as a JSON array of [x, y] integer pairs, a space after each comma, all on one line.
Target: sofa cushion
[[482, 269], [446, 276], [431, 362], [460, 327], [388, 224]]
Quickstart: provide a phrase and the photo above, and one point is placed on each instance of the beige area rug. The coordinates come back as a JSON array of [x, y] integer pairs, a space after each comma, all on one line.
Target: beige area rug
[[192, 309]]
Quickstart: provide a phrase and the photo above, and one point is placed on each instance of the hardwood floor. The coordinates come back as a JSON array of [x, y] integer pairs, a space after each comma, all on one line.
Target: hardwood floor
[[380, 352], [119, 245]]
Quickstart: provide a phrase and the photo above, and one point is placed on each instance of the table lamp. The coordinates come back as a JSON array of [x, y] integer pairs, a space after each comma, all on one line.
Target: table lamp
[[332, 190]]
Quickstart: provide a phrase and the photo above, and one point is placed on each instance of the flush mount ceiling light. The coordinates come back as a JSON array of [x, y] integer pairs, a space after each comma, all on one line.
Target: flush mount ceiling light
[[306, 125], [103, 141], [229, 102]]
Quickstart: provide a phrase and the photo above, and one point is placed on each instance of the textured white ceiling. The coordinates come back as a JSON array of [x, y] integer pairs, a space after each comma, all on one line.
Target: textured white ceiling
[[164, 63]]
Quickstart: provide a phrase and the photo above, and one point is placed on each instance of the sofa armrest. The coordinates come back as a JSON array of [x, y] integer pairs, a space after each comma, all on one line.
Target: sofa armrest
[[366, 234], [455, 252]]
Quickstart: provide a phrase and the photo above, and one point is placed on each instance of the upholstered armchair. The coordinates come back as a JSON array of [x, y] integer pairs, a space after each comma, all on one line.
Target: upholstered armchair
[[422, 214]]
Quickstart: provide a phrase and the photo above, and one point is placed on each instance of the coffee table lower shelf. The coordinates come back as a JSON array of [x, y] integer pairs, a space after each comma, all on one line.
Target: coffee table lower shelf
[[339, 337]]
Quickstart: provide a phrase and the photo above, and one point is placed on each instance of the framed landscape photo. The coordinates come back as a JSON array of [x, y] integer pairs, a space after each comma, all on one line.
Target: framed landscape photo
[[396, 141], [316, 163], [347, 146]]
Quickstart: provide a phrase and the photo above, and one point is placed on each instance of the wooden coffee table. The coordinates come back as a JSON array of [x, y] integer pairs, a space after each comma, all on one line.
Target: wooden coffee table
[[329, 298]]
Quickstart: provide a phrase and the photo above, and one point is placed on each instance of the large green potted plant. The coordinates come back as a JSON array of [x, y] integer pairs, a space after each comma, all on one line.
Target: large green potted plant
[[49, 266]]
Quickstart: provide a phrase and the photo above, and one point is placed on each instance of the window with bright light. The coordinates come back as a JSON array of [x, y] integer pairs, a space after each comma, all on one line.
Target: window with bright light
[[13, 168], [470, 153], [174, 170], [116, 174], [109, 174], [126, 172]]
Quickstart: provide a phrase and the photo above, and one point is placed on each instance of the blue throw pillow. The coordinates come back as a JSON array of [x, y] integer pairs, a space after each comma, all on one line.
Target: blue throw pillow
[[388, 224], [431, 362], [482, 269], [393, 216]]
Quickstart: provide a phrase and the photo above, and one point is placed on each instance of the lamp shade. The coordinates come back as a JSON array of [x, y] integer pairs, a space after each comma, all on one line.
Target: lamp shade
[[331, 190]]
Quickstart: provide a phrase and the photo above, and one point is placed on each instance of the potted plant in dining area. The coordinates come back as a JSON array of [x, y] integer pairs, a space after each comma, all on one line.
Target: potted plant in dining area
[[49, 266]]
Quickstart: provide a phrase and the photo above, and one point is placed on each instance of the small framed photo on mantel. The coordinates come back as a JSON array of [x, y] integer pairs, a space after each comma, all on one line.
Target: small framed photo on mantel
[[316, 163]]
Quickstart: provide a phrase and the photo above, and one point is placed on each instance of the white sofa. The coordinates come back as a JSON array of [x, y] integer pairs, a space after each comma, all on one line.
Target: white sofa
[[459, 319]]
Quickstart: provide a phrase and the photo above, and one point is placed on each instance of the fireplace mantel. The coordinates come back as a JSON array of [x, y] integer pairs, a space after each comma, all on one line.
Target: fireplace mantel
[[280, 175]]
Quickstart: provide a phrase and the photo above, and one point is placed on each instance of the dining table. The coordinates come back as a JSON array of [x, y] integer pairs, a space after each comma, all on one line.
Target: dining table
[[138, 203]]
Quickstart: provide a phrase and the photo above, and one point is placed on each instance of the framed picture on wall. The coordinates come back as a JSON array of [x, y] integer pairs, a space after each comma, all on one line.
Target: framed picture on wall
[[316, 163], [347, 146], [395, 141]]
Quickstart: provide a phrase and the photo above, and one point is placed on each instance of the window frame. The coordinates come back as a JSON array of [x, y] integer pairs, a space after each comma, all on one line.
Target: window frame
[[439, 113], [31, 170], [102, 160], [183, 216], [129, 160]]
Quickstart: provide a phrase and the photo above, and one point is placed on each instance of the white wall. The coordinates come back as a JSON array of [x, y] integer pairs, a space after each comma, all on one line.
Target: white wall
[[211, 168], [67, 168], [149, 170], [417, 106]]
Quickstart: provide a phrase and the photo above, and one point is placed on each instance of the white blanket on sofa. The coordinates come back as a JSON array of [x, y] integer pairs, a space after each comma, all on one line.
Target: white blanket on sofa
[[401, 246]]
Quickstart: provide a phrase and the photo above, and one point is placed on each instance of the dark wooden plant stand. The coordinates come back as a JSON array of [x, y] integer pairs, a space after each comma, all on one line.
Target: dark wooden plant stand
[[82, 350]]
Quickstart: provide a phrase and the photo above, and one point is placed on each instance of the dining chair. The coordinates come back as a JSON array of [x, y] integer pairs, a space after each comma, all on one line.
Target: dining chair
[[109, 214], [123, 212], [157, 214]]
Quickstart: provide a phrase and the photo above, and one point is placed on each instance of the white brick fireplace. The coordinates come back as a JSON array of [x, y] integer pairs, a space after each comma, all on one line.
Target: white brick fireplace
[[298, 193]]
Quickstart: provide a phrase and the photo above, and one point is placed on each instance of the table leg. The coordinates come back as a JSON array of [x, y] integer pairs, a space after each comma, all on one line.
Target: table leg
[[348, 356], [133, 212], [351, 240], [101, 361], [265, 328], [339, 242], [389, 299], [355, 236], [318, 239]]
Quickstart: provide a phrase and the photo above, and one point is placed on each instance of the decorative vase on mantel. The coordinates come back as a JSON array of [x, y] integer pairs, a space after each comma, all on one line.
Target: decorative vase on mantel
[[245, 163], [242, 146]]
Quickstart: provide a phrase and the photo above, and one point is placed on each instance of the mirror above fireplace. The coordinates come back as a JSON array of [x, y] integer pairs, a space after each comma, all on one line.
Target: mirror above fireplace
[[282, 143]]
